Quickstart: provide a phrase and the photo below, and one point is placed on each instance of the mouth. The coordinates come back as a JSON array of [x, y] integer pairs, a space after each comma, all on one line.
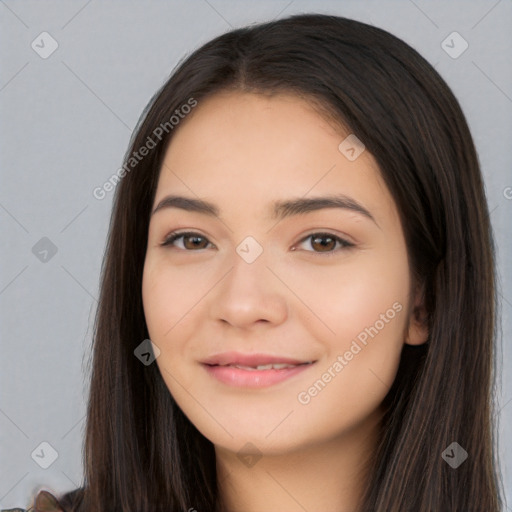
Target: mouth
[[258, 374]]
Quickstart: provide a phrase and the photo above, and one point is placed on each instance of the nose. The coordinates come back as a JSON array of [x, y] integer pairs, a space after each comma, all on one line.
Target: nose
[[249, 294]]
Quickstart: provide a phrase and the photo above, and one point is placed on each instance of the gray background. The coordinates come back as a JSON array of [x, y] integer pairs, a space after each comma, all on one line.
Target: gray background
[[64, 127]]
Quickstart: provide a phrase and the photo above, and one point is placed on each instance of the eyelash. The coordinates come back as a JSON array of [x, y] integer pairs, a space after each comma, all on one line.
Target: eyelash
[[176, 235]]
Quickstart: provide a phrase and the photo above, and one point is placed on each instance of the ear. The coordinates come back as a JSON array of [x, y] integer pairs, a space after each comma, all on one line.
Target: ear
[[417, 328]]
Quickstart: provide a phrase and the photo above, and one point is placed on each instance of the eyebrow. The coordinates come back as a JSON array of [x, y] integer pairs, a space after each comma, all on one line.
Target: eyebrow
[[279, 209]]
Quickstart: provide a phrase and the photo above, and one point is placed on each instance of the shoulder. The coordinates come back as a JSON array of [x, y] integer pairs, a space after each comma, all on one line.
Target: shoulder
[[47, 502], [43, 502], [71, 501]]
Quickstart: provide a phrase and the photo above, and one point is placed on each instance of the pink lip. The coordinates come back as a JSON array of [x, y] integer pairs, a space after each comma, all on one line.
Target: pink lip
[[249, 359], [253, 378]]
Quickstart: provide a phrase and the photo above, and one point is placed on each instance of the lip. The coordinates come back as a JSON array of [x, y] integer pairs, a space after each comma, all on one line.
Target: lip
[[239, 377], [250, 359]]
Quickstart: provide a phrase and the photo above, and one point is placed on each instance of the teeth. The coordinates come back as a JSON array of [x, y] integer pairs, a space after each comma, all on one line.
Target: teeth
[[276, 366]]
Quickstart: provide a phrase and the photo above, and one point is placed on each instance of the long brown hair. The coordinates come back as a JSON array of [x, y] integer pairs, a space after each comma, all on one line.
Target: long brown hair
[[141, 453]]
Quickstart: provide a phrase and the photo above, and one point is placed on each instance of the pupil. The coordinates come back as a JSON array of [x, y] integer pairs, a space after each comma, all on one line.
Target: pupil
[[324, 245], [196, 240]]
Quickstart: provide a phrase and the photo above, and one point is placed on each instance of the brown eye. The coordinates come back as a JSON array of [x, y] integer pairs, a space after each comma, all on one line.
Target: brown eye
[[191, 241], [326, 243], [323, 243]]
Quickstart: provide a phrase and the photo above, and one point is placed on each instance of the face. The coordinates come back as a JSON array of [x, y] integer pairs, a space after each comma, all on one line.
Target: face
[[304, 283]]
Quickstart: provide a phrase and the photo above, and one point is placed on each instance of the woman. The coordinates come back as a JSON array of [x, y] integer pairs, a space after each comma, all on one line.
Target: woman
[[302, 193]]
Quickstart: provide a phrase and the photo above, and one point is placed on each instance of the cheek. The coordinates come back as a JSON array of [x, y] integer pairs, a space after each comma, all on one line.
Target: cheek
[[172, 297], [367, 313], [358, 312], [360, 360], [166, 300], [169, 294], [339, 302], [155, 295]]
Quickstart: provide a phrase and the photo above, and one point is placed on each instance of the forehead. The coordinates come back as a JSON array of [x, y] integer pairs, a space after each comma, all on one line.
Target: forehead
[[261, 148]]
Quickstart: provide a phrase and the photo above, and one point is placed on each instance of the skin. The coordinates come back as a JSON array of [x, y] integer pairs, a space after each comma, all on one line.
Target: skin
[[242, 151]]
